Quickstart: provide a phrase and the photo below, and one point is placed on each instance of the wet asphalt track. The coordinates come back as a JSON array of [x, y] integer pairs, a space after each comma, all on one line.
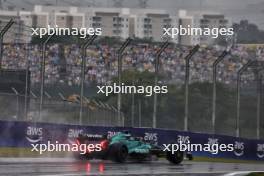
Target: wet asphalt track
[[70, 167]]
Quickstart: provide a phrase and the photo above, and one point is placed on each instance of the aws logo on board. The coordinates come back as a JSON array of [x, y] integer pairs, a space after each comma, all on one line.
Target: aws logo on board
[[111, 134], [151, 137], [239, 148], [74, 133], [34, 134], [260, 150], [212, 142], [183, 139]]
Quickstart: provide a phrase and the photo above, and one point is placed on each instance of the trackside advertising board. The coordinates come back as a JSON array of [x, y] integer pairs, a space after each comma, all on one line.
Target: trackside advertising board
[[23, 134]]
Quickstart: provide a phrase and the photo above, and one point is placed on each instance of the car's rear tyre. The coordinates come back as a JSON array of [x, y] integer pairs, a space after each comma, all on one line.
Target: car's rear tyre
[[189, 156], [119, 152], [176, 157]]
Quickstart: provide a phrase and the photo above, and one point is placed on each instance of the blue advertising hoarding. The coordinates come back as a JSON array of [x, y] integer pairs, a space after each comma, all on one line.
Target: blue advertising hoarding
[[23, 134]]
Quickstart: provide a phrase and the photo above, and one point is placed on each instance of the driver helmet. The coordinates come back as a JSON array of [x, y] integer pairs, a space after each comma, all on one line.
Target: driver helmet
[[127, 133]]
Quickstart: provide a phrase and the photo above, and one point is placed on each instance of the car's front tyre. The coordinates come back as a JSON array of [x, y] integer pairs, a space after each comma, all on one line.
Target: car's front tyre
[[176, 157]]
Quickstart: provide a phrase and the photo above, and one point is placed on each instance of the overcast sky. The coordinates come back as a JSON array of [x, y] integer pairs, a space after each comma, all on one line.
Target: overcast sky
[[252, 10]]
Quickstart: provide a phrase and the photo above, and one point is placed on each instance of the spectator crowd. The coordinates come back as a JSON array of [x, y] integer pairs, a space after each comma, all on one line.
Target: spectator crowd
[[63, 62]]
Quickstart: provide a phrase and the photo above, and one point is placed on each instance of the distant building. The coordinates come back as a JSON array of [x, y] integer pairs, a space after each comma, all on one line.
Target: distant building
[[185, 21], [201, 20], [149, 24], [115, 22], [39, 17], [212, 21]]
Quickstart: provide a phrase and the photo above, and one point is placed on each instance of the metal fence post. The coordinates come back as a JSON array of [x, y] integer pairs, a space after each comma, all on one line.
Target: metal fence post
[[157, 62], [42, 73], [239, 73], [216, 62], [259, 95], [115, 119], [17, 102], [2, 33], [120, 52], [84, 47], [26, 86], [133, 104], [139, 113], [259, 76], [187, 77], [261, 102]]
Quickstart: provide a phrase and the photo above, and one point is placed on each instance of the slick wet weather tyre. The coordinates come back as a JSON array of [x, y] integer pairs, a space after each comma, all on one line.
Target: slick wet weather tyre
[[119, 152], [176, 157]]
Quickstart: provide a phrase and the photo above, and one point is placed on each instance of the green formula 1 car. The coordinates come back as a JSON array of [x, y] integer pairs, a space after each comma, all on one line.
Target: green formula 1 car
[[123, 146]]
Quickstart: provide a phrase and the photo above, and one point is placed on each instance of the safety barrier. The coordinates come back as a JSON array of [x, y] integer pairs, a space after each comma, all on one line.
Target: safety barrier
[[22, 134]]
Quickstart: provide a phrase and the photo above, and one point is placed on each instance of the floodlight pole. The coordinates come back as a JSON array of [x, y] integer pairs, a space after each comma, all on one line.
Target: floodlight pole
[[239, 73], [42, 73], [120, 52], [2, 33], [157, 63], [84, 47], [187, 77], [215, 64]]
